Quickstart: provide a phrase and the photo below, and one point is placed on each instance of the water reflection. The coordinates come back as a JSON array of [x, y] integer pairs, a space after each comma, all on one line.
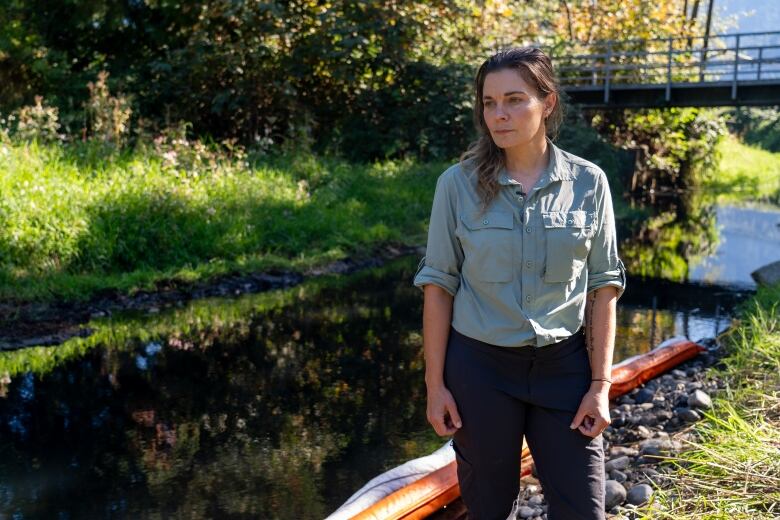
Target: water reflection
[[662, 241], [277, 405], [749, 239]]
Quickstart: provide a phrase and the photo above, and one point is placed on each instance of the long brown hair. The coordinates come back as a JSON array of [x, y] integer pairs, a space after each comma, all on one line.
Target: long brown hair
[[536, 69]]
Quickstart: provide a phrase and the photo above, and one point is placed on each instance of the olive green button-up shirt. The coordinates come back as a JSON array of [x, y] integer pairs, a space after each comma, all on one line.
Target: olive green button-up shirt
[[519, 272]]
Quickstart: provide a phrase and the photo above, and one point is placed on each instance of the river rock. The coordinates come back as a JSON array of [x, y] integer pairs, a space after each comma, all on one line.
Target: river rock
[[618, 421], [618, 475], [687, 415], [699, 399], [649, 473], [655, 447], [649, 419], [639, 494], [643, 432], [617, 451], [768, 274], [645, 395], [536, 500], [615, 494], [621, 462]]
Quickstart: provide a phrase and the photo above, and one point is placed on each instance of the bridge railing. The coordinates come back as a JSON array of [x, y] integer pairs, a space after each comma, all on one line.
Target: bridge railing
[[725, 58]]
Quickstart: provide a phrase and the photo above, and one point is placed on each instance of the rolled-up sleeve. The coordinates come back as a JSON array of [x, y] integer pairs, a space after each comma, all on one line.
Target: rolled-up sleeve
[[443, 254], [604, 265]]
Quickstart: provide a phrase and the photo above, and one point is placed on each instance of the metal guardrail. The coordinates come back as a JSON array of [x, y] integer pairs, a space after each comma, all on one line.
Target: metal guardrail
[[674, 61]]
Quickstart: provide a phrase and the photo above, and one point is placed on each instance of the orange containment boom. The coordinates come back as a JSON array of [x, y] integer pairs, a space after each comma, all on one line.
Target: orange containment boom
[[440, 487]]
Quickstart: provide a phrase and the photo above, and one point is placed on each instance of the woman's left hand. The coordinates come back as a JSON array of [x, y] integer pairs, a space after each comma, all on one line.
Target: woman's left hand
[[593, 414]]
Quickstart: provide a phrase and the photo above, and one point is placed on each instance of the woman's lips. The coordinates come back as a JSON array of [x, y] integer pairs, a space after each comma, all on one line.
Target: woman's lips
[[503, 131]]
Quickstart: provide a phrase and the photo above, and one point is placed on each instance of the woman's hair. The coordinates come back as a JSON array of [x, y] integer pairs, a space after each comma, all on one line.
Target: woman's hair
[[535, 68]]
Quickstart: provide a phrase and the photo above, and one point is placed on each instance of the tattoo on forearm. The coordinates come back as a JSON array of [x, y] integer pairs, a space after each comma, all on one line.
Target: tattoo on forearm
[[589, 340]]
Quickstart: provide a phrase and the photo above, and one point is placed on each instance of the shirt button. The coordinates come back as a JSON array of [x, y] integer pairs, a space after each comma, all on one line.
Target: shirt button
[[528, 229], [571, 221], [529, 264], [485, 221], [528, 298]]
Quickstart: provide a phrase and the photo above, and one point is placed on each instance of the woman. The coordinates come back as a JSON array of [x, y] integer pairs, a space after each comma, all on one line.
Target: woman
[[521, 277]]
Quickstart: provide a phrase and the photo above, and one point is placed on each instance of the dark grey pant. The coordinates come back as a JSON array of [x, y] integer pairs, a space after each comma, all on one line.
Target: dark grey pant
[[503, 393]]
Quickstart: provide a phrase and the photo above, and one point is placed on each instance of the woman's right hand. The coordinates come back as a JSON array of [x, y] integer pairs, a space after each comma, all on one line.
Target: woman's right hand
[[442, 411]]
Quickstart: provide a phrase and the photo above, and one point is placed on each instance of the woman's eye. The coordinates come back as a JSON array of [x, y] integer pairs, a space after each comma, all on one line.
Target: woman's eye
[[514, 100]]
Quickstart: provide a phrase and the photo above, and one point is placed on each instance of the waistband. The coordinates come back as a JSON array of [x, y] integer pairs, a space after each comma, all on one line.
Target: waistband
[[573, 342]]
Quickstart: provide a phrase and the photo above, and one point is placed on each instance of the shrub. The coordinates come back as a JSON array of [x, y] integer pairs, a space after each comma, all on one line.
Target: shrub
[[38, 122], [108, 116]]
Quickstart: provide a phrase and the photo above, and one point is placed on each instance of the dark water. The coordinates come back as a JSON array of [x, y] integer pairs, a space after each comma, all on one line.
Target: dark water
[[267, 406]]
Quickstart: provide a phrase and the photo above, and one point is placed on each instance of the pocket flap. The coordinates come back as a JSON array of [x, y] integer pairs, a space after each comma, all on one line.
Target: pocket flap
[[491, 219], [577, 218]]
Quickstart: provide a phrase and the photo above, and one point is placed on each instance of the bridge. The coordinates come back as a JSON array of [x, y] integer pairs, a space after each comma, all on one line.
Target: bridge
[[721, 70]]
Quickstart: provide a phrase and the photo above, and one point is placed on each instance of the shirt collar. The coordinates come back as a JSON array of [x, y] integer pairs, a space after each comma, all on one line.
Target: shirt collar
[[557, 169]]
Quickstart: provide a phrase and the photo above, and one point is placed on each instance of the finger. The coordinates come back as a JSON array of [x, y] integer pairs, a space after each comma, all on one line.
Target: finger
[[437, 423], [447, 427], [588, 426], [454, 415], [577, 419]]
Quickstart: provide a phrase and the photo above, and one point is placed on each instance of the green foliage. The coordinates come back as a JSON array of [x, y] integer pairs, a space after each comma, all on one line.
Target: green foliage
[[758, 126], [580, 138], [425, 113], [267, 72], [675, 148]]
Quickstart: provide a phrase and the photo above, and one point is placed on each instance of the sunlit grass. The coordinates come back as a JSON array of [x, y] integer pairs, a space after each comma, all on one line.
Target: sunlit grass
[[78, 218], [731, 470], [746, 172]]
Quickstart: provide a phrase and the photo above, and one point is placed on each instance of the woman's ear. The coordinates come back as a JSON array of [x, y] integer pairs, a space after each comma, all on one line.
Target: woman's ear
[[549, 103]]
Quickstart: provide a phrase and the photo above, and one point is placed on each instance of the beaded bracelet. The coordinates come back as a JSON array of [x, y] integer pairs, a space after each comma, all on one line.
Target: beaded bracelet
[[607, 380]]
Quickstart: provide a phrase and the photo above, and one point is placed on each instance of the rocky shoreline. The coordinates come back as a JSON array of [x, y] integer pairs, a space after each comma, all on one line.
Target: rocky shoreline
[[31, 323], [649, 423]]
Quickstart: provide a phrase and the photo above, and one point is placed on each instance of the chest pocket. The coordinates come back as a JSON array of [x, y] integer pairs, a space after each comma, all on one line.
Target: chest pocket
[[568, 235], [487, 246]]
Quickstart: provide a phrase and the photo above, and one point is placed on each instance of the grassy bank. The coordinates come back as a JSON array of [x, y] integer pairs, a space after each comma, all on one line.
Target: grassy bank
[[78, 219], [746, 172], [732, 468]]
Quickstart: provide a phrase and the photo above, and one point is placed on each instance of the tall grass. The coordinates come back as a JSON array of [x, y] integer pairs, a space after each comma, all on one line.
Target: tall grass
[[83, 217], [731, 468], [746, 172]]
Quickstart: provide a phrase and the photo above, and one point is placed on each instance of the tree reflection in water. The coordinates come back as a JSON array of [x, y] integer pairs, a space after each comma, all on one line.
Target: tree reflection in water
[[234, 408]]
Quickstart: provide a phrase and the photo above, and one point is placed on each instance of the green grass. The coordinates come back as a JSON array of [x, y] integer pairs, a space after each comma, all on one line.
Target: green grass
[[732, 468], [746, 172], [78, 219]]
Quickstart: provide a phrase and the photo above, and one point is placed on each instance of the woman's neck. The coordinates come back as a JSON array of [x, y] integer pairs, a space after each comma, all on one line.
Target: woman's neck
[[527, 161]]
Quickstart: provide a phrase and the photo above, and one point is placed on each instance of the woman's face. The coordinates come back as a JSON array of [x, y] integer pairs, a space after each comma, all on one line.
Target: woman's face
[[513, 111]]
